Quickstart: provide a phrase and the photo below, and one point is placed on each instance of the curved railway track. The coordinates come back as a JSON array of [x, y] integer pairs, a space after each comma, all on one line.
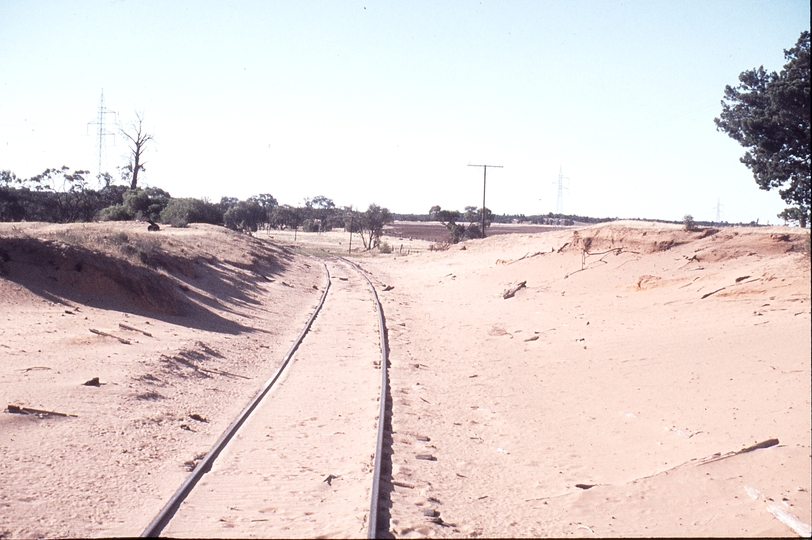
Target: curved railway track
[[303, 458]]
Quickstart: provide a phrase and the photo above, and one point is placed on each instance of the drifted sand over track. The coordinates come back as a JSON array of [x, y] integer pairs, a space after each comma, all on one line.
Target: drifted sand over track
[[301, 466]]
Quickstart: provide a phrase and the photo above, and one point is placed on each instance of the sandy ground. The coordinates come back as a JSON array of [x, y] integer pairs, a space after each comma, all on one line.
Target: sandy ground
[[585, 405], [607, 371]]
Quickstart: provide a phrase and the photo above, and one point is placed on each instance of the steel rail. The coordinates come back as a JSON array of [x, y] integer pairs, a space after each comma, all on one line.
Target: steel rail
[[168, 511], [376, 479]]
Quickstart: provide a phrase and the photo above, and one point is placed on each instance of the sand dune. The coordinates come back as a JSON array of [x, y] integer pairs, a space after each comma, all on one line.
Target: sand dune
[[586, 404]]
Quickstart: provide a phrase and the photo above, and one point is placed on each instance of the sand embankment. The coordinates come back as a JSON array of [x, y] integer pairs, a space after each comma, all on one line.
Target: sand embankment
[[195, 321]]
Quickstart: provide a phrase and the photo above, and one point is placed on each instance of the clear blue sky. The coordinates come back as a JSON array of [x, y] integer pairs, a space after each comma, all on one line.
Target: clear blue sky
[[388, 102]]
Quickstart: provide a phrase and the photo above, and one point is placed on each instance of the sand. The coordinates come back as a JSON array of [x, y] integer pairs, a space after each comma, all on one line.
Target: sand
[[585, 405]]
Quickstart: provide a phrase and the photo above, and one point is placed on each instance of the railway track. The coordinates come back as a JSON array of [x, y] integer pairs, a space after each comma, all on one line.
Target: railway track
[[304, 458]]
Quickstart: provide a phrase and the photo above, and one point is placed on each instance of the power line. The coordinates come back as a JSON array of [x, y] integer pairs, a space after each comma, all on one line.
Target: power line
[[484, 179]]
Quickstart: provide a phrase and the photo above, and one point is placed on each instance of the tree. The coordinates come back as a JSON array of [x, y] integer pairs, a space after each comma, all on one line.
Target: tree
[[769, 115], [11, 207], [371, 225], [244, 216], [268, 202], [457, 231], [146, 203], [287, 216], [181, 212], [64, 196], [320, 209], [138, 140]]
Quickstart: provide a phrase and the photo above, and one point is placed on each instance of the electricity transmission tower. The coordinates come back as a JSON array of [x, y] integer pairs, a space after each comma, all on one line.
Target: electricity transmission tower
[[559, 205], [719, 206], [484, 179], [101, 132]]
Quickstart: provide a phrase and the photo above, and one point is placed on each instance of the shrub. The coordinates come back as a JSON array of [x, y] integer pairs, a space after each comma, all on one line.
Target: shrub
[[311, 225], [116, 212], [146, 203], [181, 212], [688, 222], [384, 247], [244, 216]]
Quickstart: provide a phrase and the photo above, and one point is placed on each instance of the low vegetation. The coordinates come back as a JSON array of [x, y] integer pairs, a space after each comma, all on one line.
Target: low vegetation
[[66, 196]]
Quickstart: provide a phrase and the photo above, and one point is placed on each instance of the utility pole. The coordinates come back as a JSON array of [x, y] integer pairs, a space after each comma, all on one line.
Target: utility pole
[[352, 222], [101, 133], [484, 181]]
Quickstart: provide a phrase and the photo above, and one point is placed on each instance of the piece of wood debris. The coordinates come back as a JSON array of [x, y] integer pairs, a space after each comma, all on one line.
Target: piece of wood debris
[[16, 409], [132, 329], [329, 479], [718, 456], [402, 484], [93, 382], [712, 292], [513, 290], [534, 338], [425, 457], [100, 333], [388, 288]]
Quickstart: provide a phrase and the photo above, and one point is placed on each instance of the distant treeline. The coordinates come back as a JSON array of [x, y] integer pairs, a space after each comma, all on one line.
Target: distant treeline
[[66, 196]]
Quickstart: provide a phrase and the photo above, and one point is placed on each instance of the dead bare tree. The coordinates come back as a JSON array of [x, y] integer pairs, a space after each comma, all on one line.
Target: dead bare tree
[[138, 140]]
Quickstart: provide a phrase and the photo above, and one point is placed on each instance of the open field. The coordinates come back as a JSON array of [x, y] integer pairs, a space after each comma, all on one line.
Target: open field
[[610, 395]]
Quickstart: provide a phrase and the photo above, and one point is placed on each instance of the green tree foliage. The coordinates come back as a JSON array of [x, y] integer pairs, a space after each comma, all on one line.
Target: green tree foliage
[[115, 212], [371, 225], [268, 203], [769, 115], [244, 216], [287, 216], [11, 206], [320, 211], [181, 212], [146, 204], [64, 196], [688, 222]]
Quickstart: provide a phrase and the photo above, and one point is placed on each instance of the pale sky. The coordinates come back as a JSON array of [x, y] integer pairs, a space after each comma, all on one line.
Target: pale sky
[[388, 102]]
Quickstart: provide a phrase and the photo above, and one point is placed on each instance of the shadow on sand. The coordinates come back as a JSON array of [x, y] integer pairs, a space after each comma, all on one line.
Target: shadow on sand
[[177, 289]]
